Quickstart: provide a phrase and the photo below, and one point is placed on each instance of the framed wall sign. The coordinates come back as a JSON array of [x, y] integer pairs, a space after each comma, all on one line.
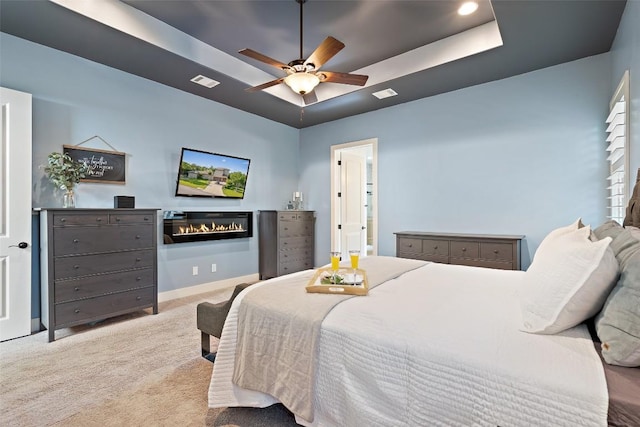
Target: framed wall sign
[[104, 166]]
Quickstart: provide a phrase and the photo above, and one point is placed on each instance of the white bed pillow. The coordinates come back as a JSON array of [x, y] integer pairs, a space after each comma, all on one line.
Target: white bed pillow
[[558, 232], [567, 283]]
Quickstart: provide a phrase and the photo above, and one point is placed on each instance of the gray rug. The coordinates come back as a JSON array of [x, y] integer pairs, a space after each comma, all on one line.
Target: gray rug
[[133, 370]]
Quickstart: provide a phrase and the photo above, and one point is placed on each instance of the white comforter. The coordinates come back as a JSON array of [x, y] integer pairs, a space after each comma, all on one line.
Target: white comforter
[[440, 345]]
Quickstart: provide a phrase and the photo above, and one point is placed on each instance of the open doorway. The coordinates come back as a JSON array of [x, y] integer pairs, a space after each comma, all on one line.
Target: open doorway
[[354, 204]]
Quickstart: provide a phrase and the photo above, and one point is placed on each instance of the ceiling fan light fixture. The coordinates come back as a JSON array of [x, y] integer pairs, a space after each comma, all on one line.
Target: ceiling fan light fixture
[[302, 82]]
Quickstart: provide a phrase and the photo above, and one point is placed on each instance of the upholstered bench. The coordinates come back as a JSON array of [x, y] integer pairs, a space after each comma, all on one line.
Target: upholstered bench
[[210, 320]]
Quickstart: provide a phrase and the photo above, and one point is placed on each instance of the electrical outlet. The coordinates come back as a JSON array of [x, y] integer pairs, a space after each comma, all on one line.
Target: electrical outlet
[[195, 270], [214, 268]]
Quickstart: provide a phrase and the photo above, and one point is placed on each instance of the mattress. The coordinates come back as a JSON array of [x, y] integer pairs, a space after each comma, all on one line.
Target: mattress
[[438, 346]]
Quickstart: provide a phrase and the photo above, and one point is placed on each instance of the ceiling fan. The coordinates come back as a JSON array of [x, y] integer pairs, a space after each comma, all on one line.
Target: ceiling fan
[[303, 75]]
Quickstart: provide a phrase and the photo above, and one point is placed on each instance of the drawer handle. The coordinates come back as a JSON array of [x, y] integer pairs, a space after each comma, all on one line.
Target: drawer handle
[[138, 278], [146, 218], [76, 289], [63, 220], [138, 298], [464, 249], [98, 219], [435, 247], [75, 267], [495, 251], [410, 245], [75, 240], [76, 311], [137, 237], [117, 219], [138, 259]]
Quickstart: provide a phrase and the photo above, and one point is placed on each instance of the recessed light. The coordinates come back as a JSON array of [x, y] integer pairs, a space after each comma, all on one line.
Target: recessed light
[[205, 81], [385, 93], [468, 8]]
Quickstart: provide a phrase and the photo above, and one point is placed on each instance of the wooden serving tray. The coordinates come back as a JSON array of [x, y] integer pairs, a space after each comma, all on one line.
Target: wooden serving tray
[[361, 287]]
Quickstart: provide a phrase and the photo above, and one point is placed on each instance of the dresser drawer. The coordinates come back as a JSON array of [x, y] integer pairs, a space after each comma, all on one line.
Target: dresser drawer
[[302, 254], [295, 243], [130, 218], [424, 257], [464, 249], [435, 247], [295, 228], [82, 311], [80, 240], [85, 265], [293, 266], [496, 251], [288, 216], [92, 286], [407, 245], [62, 219], [295, 216]]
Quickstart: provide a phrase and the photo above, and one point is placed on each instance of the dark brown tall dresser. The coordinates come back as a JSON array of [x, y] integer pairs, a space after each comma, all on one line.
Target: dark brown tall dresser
[[96, 264], [286, 242]]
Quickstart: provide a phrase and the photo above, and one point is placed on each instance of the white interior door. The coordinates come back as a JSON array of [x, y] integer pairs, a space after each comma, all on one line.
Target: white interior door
[[353, 212], [355, 208], [15, 214]]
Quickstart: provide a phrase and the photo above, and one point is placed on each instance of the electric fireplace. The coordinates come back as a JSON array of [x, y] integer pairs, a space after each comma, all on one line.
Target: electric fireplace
[[181, 227]]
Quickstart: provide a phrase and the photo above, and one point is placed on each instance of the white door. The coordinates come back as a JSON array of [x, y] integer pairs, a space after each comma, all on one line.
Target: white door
[[353, 211], [15, 214]]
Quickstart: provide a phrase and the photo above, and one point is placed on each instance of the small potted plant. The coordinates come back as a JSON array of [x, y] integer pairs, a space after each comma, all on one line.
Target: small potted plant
[[65, 172]]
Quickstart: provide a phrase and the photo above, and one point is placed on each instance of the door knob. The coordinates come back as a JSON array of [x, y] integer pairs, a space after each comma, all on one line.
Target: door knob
[[21, 245]]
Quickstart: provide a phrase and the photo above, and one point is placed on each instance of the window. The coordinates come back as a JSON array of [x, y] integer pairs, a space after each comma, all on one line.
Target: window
[[618, 158]]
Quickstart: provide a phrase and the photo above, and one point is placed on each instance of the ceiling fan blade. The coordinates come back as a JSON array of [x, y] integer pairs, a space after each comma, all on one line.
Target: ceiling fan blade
[[345, 78], [263, 58], [327, 49], [265, 85], [310, 98]]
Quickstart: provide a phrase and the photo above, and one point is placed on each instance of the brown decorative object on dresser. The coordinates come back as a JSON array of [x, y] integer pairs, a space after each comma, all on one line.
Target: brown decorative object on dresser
[[286, 242], [96, 264], [478, 250]]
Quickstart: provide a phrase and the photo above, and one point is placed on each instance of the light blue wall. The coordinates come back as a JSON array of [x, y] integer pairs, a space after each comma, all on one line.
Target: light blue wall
[[625, 54], [521, 155], [75, 99]]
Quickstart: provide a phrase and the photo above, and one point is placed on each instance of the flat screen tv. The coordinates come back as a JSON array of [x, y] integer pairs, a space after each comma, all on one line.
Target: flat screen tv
[[204, 174]]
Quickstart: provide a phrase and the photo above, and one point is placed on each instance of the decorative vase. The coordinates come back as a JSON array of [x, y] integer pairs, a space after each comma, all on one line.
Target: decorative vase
[[69, 199]]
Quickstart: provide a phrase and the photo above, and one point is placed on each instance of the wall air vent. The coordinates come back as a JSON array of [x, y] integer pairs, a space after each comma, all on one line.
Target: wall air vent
[[205, 81], [385, 93]]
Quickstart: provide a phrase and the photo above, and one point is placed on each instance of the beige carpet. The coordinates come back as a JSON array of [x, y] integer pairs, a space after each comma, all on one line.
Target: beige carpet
[[133, 370]]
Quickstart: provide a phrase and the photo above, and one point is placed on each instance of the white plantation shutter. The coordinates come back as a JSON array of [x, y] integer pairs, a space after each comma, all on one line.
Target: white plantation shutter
[[618, 131]]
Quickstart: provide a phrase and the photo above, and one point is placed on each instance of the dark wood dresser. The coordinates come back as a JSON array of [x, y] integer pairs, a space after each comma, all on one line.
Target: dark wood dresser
[[286, 242], [96, 264], [479, 250]]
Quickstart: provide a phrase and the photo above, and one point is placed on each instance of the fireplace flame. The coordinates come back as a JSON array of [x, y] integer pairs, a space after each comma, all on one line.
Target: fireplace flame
[[213, 228]]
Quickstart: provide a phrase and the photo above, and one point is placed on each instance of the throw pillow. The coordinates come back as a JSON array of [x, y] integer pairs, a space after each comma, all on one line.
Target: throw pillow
[[635, 231], [558, 232], [618, 324], [567, 283], [610, 228]]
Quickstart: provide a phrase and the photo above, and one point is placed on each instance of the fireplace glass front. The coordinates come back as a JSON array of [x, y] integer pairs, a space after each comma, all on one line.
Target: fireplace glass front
[[181, 227]]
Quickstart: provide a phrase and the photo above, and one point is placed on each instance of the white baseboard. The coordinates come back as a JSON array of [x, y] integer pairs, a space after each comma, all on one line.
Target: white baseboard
[[206, 287], [35, 325]]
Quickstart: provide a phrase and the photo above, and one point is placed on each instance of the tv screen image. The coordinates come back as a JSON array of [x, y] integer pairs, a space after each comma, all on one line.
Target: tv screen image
[[204, 174]]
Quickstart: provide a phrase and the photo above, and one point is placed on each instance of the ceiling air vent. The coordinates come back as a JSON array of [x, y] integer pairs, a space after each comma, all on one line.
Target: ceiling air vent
[[205, 81], [385, 93]]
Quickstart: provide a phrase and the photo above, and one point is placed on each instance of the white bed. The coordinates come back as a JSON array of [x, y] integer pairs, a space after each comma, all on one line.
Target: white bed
[[439, 345]]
